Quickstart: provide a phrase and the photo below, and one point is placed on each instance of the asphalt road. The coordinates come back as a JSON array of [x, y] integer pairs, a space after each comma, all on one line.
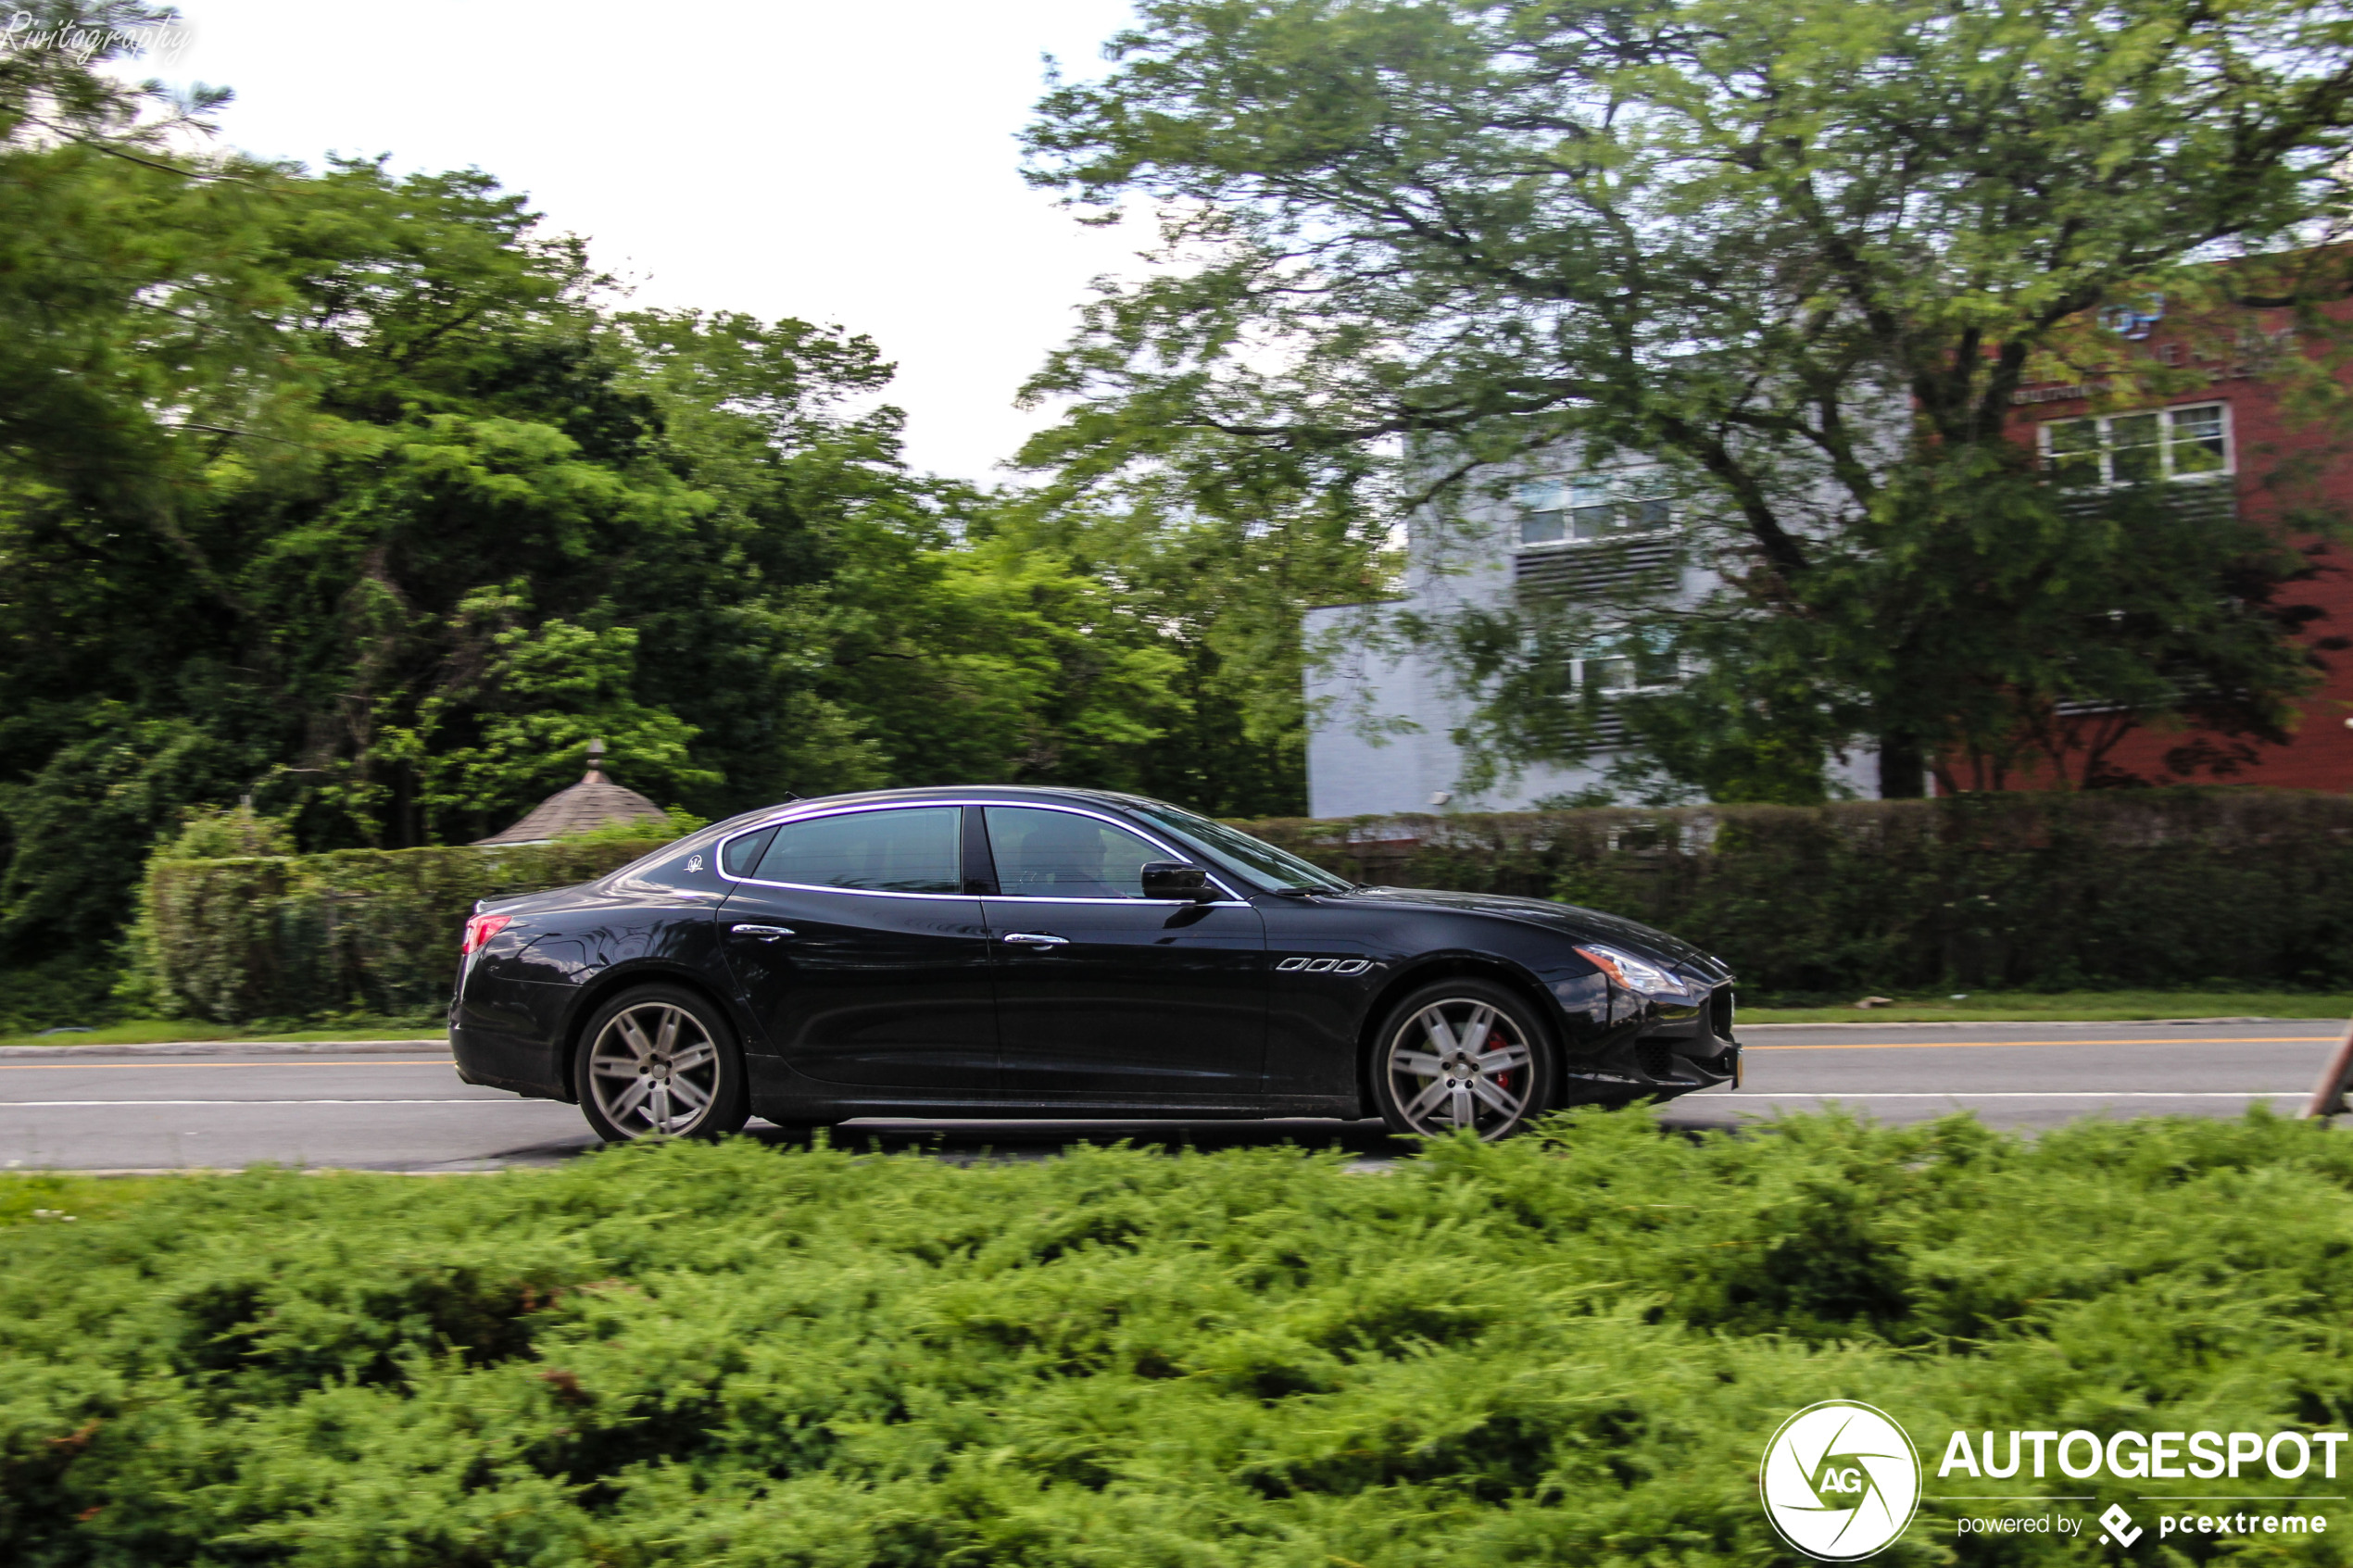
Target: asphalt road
[[402, 1109]]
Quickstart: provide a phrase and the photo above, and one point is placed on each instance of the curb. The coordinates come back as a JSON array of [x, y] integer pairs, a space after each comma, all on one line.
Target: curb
[[230, 1048]]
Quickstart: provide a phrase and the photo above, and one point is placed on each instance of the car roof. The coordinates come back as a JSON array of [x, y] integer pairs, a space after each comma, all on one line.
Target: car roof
[[1009, 793]]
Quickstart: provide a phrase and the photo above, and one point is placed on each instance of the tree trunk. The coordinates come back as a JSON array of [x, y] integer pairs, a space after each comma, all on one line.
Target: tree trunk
[[1903, 768]]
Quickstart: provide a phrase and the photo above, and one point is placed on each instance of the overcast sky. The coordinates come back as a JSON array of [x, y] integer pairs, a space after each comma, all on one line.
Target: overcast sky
[[844, 163]]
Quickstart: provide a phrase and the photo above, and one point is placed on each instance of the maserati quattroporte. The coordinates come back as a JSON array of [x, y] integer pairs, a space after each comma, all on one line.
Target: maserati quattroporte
[[1061, 953]]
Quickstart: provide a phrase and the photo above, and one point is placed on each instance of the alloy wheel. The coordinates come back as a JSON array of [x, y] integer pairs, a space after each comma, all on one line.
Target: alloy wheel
[[654, 1071], [1460, 1064]]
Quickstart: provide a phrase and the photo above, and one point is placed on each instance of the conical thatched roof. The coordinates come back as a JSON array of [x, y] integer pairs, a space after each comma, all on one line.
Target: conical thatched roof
[[594, 802]]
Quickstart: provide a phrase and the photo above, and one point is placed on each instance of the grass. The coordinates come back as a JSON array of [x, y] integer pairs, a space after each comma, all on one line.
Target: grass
[[1570, 1349], [2061, 1007], [157, 1031]]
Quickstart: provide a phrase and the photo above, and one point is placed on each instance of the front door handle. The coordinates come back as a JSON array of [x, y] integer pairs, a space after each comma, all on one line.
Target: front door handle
[[1036, 937], [765, 932]]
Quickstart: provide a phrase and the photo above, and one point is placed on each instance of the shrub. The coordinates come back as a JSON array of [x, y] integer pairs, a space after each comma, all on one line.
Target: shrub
[[2157, 888], [356, 930], [2212, 889], [1570, 1349]]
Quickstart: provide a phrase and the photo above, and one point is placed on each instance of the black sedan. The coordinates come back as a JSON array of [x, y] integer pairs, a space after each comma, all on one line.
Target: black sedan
[[1061, 953]]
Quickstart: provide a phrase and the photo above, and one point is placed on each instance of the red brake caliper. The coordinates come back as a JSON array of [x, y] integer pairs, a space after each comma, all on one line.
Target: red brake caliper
[[1501, 1080]]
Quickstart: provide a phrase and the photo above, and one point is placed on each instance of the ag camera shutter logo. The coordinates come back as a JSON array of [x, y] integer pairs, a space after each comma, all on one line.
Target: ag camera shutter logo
[[1840, 1481]]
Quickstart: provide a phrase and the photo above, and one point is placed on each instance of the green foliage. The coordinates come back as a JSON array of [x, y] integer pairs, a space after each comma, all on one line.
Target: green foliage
[[138, 986], [367, 931], [2164, 889], [356, 495], [210, 832], [1801, 256], [1565, 1348], [87, 816], [1214, 594], [639, 836]]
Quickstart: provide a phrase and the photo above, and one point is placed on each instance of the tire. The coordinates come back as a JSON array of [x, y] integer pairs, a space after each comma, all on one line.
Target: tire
[[660, 1062], [1462, 1054]]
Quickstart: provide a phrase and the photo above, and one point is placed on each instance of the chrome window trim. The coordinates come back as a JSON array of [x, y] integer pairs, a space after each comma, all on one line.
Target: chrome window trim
[[719, 862], [1031, 900]]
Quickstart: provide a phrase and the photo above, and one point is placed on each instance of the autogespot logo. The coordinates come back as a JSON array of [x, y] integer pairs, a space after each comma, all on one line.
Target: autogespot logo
[[1840, 1481]]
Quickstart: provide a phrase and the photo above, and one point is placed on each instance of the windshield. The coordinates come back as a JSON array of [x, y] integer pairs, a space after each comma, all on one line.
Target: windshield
[[1237, 851]]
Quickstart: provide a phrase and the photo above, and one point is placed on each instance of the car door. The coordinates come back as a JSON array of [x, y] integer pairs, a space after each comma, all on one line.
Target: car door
[[851, 936], [1104, 994]]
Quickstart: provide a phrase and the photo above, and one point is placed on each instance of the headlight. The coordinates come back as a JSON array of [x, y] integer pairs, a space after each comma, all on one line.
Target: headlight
[[1638, 975]]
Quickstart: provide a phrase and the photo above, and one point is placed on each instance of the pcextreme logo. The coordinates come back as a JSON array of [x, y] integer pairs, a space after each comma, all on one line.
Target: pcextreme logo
[[1840, 1481]]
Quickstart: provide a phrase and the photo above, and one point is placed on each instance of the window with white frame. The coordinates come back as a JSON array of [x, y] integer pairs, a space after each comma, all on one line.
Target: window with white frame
[[1633, 659], [2139, 448], [1574, 508]]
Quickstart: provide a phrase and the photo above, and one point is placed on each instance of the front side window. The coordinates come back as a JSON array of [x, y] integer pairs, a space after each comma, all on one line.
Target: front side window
[[1062, 855], [1059, 854], [1596, 505], [916, 851], [2142, 448]]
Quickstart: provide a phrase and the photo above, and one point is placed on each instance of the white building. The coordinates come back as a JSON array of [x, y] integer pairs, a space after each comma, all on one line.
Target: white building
[[1381, 722]]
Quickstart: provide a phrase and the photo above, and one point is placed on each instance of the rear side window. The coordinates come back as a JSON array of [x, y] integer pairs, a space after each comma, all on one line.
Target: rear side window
[[916, 851], [742, 853]]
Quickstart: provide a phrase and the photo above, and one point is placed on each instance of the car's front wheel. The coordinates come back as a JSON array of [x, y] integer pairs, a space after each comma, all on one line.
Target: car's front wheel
[[1462, 1056], [659, 1061]]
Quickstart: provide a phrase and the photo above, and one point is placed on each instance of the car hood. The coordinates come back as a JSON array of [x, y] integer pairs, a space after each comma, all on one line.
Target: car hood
[[1570, 920]]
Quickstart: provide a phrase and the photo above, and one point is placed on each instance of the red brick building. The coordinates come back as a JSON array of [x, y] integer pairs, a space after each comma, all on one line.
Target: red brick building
[[2226, 429]]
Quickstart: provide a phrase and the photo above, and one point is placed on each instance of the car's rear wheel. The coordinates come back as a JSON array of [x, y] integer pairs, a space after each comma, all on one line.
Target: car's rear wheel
[[1462, 1056], [659, 1061]]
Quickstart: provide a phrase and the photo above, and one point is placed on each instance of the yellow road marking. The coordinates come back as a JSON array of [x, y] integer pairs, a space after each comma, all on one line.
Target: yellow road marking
[[2016, 1044]]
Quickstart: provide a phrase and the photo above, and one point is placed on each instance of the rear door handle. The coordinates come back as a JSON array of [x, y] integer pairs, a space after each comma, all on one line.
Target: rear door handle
[[765, 932], [1038, 938]]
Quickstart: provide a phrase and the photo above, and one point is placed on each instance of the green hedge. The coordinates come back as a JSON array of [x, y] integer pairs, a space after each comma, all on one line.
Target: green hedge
[[1569, 1349], [2215, 888], [357, 931], [2212, 888]]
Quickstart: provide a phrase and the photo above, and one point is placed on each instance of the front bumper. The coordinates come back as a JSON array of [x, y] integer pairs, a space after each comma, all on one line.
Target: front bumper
[[1658, 1050]]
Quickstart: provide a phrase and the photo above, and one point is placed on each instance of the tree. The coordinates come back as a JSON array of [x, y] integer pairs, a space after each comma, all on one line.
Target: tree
[[366, 501], [1805, 253], [1214, 561]]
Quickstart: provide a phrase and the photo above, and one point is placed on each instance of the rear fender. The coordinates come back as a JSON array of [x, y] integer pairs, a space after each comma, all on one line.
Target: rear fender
[[592, 994]]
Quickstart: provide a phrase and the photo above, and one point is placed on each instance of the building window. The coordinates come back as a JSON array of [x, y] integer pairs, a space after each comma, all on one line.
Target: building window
[[2157, 444], [1633, 661], [1596, 505]]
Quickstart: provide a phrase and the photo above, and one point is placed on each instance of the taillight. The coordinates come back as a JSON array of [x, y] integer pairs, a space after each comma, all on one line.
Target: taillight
[[481, 929]]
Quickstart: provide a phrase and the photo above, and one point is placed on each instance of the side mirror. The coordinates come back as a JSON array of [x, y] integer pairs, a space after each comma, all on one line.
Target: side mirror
[[1174, 879]]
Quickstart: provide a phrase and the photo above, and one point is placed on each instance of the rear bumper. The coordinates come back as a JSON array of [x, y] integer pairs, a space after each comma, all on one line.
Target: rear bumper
[[502, 1060]]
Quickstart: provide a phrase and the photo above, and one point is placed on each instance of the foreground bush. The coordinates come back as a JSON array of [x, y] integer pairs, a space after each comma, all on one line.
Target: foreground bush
[[1567, 1350]]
